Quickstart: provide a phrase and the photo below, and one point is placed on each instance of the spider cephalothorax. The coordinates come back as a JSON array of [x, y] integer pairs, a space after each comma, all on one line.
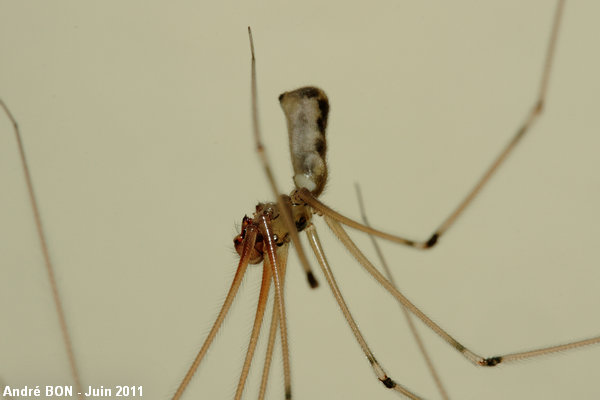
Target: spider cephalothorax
[[301, 215]]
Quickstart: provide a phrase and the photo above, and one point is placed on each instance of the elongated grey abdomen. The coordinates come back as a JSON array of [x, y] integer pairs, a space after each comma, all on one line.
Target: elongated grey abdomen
[[306, 110]]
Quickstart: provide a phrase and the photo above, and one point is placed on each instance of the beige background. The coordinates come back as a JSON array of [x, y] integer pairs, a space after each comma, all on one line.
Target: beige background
[[136, 122]]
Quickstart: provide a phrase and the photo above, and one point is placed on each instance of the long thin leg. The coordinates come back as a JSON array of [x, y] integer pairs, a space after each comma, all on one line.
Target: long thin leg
[[249, 241], [389, 383], [62, 320], [269, 353], [409, 319], [272, 331], [279, 300], [533, 115], [262, 154], [258, 319], [470, 355]]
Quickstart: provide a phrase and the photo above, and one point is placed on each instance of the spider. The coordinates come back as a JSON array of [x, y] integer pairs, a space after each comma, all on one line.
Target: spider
[[426, 192]]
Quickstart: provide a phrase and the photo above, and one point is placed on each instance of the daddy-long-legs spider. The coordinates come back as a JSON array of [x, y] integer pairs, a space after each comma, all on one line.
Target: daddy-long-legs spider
[[141, 171]]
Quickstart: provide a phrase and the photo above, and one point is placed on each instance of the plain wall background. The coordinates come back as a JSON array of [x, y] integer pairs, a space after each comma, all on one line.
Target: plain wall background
[[136, 120]]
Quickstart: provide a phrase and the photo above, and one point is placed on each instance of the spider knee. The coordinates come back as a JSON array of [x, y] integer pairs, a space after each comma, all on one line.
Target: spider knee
[[388, 382], [432, 241], [491, 361]]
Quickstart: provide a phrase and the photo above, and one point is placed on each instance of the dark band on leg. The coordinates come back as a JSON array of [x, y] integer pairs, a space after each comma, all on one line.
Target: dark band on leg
[[432, 240], [312, 281], [491, 362], [388, 382]]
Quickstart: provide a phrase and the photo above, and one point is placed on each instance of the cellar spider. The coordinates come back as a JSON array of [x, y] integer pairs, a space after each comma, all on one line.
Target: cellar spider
[[95, 109]]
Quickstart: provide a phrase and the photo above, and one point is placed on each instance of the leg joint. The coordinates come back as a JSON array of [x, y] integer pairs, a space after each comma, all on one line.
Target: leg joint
[[388, 382]]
